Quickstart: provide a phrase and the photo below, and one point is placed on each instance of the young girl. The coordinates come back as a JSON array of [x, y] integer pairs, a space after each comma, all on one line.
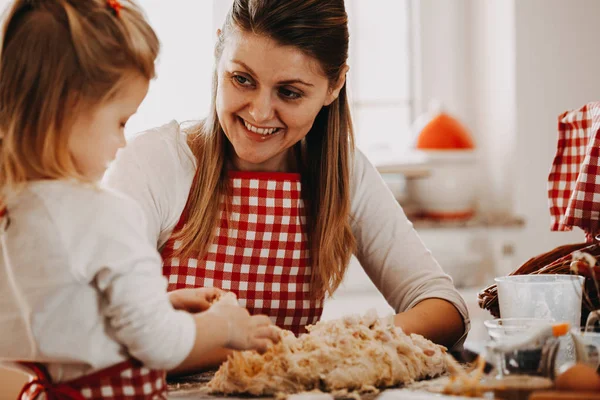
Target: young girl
[[84, 304]]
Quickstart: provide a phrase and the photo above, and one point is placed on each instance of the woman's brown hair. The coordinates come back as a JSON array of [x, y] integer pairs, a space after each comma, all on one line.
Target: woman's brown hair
[[319, 28], [57, 58]]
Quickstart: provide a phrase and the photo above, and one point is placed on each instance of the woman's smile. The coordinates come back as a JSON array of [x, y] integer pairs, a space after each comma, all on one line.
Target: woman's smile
[[259, 133]]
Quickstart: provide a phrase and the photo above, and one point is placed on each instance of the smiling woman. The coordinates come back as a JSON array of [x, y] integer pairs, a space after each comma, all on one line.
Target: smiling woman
[[267, 196]]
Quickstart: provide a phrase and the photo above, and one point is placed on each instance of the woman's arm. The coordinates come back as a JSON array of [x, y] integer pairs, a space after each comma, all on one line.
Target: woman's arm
[[399, 264], [444, 324]]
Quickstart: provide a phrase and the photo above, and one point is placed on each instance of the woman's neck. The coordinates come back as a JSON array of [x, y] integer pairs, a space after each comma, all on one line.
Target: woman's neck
[[284, 162]]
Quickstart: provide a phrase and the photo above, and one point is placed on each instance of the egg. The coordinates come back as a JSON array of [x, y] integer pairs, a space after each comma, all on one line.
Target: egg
[[578, 377]]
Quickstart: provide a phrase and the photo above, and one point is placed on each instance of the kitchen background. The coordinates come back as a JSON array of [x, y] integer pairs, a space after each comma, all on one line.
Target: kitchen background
[[504, 68]]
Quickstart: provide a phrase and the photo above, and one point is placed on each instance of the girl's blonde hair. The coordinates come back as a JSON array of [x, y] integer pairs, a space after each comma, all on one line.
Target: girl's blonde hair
[[57, 58], [319, 28]]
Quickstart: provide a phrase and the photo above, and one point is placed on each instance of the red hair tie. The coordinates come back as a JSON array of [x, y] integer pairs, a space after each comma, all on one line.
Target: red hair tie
[[115, 5]]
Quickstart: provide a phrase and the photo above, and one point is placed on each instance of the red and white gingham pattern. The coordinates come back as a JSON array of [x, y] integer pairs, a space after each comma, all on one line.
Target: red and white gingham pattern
[[574, 180], [260, 251], [125, 381]]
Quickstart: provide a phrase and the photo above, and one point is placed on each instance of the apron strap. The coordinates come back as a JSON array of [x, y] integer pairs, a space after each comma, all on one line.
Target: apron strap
[[42, 384], [37, 386]]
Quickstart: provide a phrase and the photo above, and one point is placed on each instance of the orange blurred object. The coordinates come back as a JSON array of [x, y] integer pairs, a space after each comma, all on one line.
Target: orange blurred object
[[578, 377], [444, 132]]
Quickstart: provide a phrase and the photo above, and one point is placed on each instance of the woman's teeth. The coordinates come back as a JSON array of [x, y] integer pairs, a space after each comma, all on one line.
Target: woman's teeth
[[260, 131]]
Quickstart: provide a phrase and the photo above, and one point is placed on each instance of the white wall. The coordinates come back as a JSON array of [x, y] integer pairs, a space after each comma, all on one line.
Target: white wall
[[183, 85], [442, 33], [493, 102], [4, 5], [220, 10]]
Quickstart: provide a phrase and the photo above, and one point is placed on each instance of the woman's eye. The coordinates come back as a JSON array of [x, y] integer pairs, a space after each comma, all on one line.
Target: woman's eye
[[242, 80], [289, 94]]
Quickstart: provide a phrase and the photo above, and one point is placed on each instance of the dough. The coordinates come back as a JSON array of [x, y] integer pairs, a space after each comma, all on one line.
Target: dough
[[353, 353]]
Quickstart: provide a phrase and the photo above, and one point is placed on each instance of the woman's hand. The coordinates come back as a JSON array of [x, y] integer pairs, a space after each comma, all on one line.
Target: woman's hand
[[194, 300]]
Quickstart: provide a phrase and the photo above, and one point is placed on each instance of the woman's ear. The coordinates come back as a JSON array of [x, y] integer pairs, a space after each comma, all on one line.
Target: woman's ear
[[334, 91]]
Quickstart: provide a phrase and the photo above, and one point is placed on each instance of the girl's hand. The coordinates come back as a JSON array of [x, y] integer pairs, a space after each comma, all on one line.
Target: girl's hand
[[194, 300], [246, 332]]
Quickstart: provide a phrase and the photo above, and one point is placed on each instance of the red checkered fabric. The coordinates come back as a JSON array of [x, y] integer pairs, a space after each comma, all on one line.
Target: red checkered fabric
[[574, 180], [259, 252], [128, 380]]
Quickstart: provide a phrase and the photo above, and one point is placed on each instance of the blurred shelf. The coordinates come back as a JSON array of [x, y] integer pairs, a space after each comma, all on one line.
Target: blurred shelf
[[478, 221], [409, 171], [411, 165]]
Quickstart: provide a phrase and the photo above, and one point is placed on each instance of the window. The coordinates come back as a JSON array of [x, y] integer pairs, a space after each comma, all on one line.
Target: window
[[380, 78], [381, 75]]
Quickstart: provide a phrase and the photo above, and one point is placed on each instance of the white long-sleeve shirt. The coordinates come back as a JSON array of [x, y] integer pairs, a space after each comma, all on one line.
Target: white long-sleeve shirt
[[157, 168], [81, 287]]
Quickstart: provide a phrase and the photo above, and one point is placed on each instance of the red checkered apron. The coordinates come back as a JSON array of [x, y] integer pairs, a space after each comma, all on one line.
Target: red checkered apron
[[259, 252], [574, 180], [128, 380]]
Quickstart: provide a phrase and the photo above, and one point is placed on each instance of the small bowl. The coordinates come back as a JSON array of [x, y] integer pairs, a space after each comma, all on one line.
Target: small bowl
[[591, 340], [449, 192], [537, 360], [534, 360], [502, 327]]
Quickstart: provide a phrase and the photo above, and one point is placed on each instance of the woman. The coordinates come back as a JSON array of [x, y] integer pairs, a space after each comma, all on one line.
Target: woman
[[267, 197]]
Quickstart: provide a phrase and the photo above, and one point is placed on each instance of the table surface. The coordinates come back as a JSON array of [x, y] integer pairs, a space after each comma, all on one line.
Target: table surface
[[191, 387]]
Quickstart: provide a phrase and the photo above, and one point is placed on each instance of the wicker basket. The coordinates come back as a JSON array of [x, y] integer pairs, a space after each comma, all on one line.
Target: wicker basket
[[557, 261]]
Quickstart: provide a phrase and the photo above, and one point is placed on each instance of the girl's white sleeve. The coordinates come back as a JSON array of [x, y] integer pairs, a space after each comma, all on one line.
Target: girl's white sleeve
[[108, 248]]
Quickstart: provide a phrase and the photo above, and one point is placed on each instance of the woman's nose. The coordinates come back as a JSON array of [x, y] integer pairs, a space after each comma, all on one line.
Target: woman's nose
[[261, 107]]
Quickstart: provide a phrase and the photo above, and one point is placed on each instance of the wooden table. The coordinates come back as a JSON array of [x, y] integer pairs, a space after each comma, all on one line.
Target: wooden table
[[191, 387]]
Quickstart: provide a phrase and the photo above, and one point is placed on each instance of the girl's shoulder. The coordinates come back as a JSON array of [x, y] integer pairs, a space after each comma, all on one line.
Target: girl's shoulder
[[89, 226], [161, 143], [68, 202], [67, 213]]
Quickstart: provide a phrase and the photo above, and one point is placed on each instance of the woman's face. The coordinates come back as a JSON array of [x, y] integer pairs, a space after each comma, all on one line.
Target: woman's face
[[268, 97]]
